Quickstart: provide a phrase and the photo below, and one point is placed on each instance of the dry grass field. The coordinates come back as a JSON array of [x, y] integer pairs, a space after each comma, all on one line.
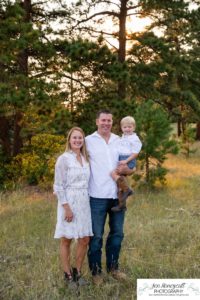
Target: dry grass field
[[162, 239]]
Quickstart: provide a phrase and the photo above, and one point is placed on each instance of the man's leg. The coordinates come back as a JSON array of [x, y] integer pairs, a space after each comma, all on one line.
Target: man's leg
[[114, 239], [98, 211]]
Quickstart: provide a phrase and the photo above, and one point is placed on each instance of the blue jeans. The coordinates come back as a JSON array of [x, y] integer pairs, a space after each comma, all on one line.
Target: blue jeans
[[100, 207]]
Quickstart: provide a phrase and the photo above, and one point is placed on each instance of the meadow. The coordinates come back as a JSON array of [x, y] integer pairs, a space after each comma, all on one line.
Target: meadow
[[162, 239]]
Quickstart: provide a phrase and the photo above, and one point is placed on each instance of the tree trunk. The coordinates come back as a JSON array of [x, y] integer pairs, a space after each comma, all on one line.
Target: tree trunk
[[71, 93], [23, 55], [17, 143], [147, 167], [198, 131], [183, 126], [179, 128], [23, 69], [4, 136], [122, 46]]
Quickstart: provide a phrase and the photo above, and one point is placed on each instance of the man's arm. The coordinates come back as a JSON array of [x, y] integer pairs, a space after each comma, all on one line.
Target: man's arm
[[126, 161]]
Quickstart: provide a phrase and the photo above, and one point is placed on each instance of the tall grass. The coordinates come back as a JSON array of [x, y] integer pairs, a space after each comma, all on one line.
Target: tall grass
[[162, 239]]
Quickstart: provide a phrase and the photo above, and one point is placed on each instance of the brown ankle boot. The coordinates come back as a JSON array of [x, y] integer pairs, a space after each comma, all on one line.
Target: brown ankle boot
[[123, 192]]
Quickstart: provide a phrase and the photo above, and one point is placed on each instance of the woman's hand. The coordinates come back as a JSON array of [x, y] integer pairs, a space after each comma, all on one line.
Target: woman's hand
[[68, 214]]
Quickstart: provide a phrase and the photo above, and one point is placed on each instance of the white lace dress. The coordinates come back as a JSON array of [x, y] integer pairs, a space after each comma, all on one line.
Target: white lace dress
[[71, 186]]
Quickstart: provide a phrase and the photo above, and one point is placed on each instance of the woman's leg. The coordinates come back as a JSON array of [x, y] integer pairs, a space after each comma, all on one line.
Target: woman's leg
[[65, 254], [81, 252]]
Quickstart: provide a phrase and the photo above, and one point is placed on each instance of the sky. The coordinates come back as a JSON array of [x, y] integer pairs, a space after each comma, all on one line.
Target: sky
[[134, 24]]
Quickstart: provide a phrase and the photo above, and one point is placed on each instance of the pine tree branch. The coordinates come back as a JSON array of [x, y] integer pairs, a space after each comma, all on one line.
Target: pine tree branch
[[148, 15], [110, 2], [45, 73], [98, 31], [132, 14], [168, 106], [133, 7], [112, 45], [87, 88], [39, 3], [38, 75], [52, 14], [109, 13]]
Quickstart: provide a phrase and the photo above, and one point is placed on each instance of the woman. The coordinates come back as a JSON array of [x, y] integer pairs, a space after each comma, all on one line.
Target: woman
[[73, 214]]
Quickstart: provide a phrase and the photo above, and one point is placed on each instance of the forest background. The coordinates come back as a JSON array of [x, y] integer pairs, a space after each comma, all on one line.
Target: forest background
[[62, 61]]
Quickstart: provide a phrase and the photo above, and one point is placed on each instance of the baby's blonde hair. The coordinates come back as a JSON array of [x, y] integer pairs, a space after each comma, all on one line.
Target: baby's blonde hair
[[128, 120]]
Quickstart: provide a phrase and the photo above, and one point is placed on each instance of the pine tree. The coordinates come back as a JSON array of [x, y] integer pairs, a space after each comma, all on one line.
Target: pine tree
[[27, 97], [92, 16], [167, 68], [157, 67], [20, 44], [154, 128], [29, 86]]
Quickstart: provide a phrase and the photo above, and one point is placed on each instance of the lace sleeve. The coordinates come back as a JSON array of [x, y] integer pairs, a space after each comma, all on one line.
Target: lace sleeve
[[60, 179]]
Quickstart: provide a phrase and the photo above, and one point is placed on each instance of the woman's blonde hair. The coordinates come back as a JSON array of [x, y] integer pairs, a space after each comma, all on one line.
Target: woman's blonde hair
[[128, 120], [83, 148]]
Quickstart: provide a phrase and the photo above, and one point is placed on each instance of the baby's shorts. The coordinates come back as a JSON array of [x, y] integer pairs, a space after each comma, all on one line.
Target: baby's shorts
[[131, 164]]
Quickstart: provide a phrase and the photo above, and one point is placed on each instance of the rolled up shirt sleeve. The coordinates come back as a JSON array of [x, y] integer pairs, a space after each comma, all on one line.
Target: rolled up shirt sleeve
[[60, 179], [137, 145]]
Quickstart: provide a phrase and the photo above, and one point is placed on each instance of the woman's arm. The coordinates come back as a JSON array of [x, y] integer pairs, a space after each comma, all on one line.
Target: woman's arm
[[60, 181]]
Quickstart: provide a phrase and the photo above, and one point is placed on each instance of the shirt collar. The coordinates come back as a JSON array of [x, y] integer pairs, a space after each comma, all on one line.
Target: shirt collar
[[127, 135], [73, 153], [112, 136]]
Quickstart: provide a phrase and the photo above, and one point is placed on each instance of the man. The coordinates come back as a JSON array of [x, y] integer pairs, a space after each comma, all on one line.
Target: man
[[103, 154]]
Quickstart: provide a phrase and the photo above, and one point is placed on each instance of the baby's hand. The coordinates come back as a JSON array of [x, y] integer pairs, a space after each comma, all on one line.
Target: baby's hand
[[122, 162]]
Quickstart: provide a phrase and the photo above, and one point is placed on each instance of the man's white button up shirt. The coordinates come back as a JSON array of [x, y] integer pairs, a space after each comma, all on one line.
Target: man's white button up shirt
[[103, 160]]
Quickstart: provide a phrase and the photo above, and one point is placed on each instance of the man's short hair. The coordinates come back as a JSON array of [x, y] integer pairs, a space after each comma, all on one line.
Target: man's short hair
[[103, 111]]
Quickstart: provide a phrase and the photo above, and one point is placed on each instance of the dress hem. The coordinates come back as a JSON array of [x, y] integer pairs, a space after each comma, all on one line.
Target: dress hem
[[72, 237]]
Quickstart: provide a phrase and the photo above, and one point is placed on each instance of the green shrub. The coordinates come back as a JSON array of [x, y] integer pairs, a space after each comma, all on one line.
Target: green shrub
[[35, 165], [188, 140]]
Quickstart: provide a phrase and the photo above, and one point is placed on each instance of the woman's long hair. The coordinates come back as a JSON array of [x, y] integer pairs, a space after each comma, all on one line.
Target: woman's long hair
[[83, 148]]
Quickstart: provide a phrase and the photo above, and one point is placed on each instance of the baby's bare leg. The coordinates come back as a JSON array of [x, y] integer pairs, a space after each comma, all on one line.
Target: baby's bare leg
[[124, 170], [115, 176]]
